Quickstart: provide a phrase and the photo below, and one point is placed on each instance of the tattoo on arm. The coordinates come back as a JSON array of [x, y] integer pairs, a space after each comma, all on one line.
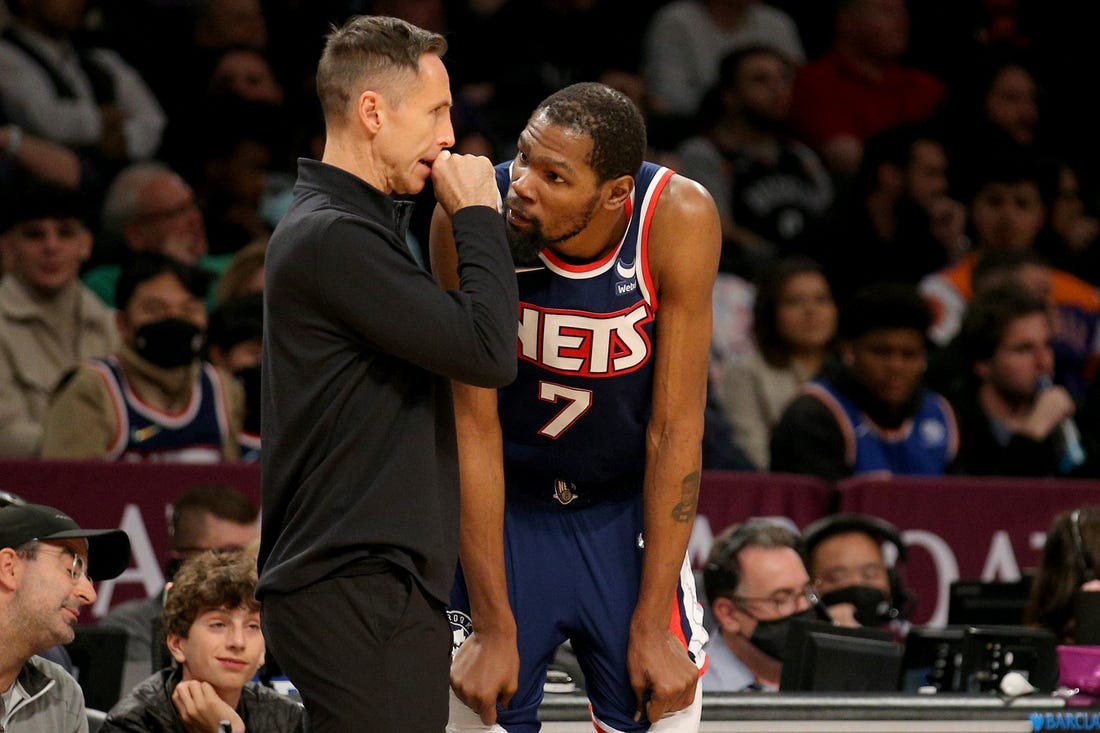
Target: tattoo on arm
[[684, 511]]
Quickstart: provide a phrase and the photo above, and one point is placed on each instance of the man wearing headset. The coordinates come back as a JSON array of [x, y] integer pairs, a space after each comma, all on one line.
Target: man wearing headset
[[845, 557], [756, 582]]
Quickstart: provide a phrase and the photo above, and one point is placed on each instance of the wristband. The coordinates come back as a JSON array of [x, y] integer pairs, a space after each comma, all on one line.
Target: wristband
[[15, 140]]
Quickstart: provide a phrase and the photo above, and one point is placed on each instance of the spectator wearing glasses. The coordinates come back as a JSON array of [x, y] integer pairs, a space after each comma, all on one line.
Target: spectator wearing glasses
[[205, 517], [756, 582], [45, 559], [148, 208], [57, 653]]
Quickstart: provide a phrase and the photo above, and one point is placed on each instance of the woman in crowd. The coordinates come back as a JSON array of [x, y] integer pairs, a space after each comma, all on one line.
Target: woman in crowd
[[794, 323]]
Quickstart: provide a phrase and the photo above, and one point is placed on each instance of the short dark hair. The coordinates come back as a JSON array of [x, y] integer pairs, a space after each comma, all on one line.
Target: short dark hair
[[1011, 166], [148, 265], [206, 582], [884, 305], [988, 317], [609, 118], [711, 107], [893, 146], [189, 510], [40, 199], [235, 321], [722, 572], [840, 523], [369, 49], [1003, 261]]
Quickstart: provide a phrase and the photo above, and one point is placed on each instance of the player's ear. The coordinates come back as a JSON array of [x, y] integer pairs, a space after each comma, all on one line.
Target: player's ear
[[618, 191]]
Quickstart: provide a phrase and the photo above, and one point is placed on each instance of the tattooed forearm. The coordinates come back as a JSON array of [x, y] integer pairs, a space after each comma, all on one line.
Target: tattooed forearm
[[684, 511]]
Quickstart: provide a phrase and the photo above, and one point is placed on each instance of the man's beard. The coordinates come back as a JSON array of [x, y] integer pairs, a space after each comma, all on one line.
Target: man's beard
[[1016, 399], [526, 245]]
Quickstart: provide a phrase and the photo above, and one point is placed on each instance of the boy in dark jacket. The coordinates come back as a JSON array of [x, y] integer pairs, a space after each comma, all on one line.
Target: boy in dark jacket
[[212, 624]]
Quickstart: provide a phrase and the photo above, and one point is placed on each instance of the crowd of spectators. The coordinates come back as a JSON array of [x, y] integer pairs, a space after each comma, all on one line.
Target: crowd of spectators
[[908, 192], [881, 141]]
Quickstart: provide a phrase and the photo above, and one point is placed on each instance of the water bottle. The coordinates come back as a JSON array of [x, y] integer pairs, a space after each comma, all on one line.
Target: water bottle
[[1073, 453]]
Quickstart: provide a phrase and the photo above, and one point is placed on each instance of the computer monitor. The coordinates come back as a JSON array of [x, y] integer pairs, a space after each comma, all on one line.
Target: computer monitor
[[99, 656], [980, 602], [990, 652], [1086, 615], [821, 657], [933, 658]]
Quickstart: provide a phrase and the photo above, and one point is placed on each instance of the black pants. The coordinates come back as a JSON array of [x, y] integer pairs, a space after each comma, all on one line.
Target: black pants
[[369, 653]]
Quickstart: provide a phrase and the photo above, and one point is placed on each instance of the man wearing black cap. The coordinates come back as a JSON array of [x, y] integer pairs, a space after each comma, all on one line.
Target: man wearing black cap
[[45, 562], [48, 320]]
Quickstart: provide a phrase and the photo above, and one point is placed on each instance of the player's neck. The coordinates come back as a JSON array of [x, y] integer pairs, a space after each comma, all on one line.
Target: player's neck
[[602, 235]]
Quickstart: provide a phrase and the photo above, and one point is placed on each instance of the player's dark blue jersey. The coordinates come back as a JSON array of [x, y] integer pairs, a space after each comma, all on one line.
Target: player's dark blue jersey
[[575, 417]]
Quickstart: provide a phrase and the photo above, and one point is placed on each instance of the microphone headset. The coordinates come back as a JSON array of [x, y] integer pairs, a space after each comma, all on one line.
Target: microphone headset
[[902, 599], [1084, 559]]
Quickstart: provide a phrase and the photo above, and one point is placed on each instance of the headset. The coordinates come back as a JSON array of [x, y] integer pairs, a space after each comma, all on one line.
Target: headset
[[902, 599], [1084, 559]]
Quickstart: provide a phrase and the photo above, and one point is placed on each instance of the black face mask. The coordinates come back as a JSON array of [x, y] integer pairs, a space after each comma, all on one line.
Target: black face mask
[[170, 343], [250, 380], [770, 637], [872, 606]]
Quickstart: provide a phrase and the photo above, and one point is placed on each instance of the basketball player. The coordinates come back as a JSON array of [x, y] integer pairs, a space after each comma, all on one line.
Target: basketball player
[[600, 433]]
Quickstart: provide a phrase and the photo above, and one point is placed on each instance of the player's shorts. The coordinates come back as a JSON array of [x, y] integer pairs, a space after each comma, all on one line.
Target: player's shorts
[[573, 573]]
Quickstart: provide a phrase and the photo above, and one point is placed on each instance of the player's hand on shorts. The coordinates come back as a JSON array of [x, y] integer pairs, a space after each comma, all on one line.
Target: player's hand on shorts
[[201, 709], [485, 670], [464, 180], [662, 674]]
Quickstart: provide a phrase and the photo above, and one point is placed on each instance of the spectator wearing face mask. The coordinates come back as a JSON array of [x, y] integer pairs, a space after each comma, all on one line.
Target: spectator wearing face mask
[[846, 555], [155, 398], [756, 582]]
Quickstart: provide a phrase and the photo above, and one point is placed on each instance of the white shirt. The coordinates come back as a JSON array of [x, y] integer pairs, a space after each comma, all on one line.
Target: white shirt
[[726, 673], [684, 48], [30, 99]]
